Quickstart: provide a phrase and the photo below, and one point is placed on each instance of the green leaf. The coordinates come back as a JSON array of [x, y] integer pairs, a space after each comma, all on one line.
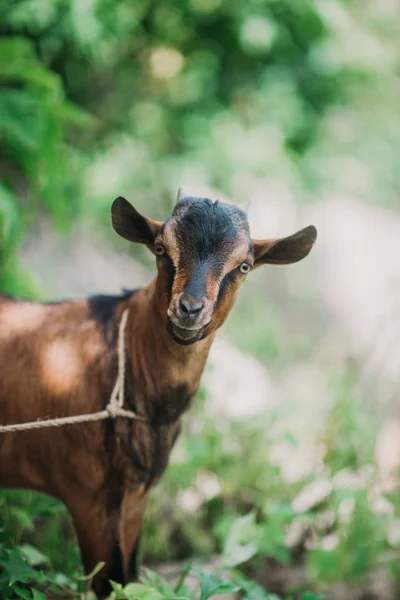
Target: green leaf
[[154, 580], [22, 120], [18, 62], [33, 555], [117, 589], [254, 591], [36, 595], [18, 569], [139, 591], [240, 544], [31, 594], [211, 586], [22, 592], [94, 572]]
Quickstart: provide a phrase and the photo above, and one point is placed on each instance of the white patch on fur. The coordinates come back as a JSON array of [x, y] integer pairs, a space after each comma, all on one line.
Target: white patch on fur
[[61, 367], [20, 317]]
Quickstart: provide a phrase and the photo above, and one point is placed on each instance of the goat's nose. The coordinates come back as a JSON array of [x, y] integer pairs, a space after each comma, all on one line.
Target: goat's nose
[[190, 305]]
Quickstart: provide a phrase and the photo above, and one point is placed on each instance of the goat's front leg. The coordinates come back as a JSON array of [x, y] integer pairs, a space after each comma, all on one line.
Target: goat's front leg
[[132, 511], [96, 524], [109, 533]]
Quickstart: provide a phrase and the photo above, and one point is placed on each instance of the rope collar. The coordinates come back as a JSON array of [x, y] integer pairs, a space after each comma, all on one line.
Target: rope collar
[[114, 408]]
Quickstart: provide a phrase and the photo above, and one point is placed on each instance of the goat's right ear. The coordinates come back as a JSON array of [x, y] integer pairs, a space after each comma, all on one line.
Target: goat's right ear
[[284, 251], [131, 225]]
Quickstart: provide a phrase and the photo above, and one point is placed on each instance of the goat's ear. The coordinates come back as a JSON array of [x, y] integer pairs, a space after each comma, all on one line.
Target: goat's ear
[[131, 225], [283, 251]]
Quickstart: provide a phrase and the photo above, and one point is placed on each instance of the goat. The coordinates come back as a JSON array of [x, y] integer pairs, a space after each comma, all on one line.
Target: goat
[[60, 359]]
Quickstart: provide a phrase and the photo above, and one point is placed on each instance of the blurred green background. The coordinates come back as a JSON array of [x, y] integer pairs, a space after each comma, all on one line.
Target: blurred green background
[[288, 465]]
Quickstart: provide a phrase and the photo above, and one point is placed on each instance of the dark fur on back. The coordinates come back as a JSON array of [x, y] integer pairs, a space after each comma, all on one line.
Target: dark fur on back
[[102, 308]]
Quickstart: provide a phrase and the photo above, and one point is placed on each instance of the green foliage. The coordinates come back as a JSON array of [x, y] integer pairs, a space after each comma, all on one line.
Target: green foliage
[[35, 117], [208, 585], [19, 578], [360, 546], [104, 97]]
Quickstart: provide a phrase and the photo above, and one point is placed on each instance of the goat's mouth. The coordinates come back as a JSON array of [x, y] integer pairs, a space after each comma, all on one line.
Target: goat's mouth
[[185, 336]]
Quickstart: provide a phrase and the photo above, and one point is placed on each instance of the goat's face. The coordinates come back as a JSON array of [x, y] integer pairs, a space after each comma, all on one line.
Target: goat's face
[[204, 252]]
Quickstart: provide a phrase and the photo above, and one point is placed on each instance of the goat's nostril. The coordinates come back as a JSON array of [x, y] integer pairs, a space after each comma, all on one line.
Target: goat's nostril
[[190, 305], [184, 306]]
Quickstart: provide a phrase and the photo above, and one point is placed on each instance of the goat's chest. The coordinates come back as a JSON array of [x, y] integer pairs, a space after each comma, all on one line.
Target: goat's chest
[[149, 444]]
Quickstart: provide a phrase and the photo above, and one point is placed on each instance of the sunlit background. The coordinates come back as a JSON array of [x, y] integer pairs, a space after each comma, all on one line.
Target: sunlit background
[[287, 468]]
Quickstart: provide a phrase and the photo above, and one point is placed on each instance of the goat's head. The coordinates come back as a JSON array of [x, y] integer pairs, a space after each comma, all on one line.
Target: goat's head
[[204, 252]]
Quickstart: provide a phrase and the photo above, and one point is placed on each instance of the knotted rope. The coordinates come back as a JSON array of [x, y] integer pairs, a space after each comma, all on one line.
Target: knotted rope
[[114, 408]]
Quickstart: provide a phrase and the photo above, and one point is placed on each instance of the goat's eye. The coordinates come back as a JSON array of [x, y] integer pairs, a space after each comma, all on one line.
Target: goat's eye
[[159, 249], [244, 267]]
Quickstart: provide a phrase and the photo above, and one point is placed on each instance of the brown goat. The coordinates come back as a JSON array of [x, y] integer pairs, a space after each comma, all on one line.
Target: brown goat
[[61, 359]]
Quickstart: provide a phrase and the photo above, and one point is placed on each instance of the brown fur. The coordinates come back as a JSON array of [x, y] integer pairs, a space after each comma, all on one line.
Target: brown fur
[[55, 362], [61, 359]]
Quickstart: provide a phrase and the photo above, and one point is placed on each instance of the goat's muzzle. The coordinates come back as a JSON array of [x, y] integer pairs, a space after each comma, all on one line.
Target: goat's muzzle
[[185, 336], [189, 317]]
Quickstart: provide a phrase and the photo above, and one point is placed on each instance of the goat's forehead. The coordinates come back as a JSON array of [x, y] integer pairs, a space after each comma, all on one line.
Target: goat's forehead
[[200, 221], [199, 228]]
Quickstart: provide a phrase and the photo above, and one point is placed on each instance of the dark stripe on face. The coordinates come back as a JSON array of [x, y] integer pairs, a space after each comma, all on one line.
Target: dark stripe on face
[[167, 274], [170, 272], [196, 284], [225, 283]]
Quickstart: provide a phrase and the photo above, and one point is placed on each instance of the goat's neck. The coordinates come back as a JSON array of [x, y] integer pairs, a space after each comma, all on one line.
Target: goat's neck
[[157, 360]]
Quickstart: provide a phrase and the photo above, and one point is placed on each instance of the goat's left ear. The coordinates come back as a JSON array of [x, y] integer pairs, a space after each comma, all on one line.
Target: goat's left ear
[[131, 225], [283, 251]]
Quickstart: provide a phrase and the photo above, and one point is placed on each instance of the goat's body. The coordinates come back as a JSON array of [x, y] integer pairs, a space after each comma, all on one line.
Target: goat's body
[[61, 359]]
